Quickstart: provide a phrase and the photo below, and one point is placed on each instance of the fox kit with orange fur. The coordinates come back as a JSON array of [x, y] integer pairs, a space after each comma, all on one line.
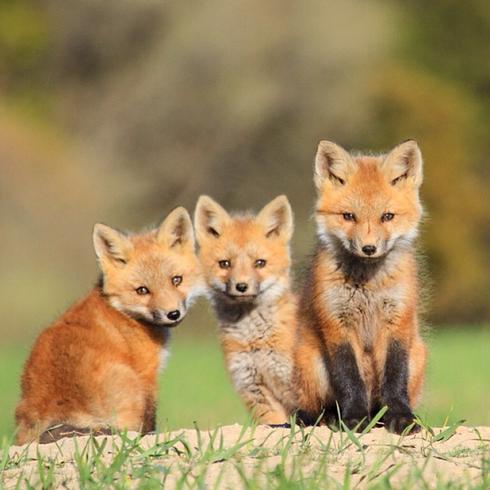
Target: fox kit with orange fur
[[246, 265], [360, 346], [96, 366]]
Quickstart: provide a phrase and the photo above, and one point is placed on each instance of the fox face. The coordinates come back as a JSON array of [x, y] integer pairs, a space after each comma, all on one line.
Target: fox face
[[368, 205], [245, 257], [150, 277]]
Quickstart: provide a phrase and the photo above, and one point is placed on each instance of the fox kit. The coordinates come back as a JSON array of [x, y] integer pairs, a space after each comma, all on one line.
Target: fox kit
[[359, 342], [96, 366], [246, 265]]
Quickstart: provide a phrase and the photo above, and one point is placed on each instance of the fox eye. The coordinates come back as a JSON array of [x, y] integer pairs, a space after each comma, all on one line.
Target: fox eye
[[387, 217], [260, 263], [176, 280], [142, 290], [349, 216], [224, 264]]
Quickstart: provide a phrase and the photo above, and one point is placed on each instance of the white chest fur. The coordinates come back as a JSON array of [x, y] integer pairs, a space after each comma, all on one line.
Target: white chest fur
[[365, 309], [262, 365], [258, 324]]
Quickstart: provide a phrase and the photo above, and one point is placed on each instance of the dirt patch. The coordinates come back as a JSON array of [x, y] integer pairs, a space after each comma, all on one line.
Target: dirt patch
[[233, 457]]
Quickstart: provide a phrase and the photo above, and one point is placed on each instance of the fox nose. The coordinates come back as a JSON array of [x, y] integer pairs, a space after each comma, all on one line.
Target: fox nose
[[241, 287], [173, 315], [369, 249]]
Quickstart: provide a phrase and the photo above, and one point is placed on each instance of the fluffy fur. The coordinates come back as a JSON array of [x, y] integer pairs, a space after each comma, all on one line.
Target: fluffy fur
[[246, 264], [359, 343], [96, 366]]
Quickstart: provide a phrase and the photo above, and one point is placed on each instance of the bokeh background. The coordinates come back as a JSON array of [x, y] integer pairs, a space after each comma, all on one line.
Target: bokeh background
[[119, 110]]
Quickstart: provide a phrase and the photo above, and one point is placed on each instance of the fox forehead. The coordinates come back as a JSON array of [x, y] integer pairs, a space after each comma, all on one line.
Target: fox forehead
[[241, 234], [241, 231], [157, 263], [245, 240], [367, 190], [152, 260]]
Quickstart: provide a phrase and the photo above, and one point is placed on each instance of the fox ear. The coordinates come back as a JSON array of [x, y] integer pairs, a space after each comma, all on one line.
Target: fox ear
[[277, 218], [176, 229], [209, 218], [111, 244], [332, 164], [403, 163]]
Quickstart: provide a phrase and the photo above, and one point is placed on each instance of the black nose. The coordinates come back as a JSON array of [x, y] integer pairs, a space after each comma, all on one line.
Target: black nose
[[241, 287], [369, 249], [173, 315]]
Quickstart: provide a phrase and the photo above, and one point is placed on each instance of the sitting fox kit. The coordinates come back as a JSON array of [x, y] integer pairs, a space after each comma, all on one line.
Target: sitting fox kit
[[96, 366], [359, 343], [246, 265]]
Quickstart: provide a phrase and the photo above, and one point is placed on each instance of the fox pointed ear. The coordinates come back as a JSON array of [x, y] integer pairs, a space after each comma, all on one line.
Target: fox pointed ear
[[111, 244], [209, 218], [176, 229], [277, 218], [404, 163], [332, 164]]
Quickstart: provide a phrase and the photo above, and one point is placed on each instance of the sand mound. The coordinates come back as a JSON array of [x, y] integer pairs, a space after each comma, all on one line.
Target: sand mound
[[230, 456]]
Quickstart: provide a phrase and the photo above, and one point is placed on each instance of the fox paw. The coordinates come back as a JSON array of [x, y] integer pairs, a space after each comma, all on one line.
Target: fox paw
[[357, 424], [400, 422]]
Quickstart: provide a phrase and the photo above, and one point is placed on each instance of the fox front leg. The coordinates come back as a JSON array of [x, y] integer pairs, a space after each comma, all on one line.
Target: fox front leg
[[256, 396], [348, 386], [149, 416], [394, 390]]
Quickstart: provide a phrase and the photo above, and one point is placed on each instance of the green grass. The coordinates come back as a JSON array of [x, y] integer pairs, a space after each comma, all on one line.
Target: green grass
[[195, 390], [254, 458], [458, 377], [12, 358], [195, 387]]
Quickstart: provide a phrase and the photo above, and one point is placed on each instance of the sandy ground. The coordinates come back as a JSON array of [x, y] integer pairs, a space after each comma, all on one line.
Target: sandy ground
[[458, 459]]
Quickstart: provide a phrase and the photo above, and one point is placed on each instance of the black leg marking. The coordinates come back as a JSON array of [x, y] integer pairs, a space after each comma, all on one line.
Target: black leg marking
[[394, 390], [149, 417], [306, 418], [348, 386]]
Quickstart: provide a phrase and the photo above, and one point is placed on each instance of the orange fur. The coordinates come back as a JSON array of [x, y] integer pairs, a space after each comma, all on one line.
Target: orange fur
[[257, 325], [97, 365], [367, 302]]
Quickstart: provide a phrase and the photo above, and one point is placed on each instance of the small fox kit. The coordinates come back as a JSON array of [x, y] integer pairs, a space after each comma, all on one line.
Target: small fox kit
[[246, 265], [359, 341], [96, 366]]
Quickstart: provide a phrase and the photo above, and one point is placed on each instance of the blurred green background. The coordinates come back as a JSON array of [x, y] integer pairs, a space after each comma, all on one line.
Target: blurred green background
[[119, 110]]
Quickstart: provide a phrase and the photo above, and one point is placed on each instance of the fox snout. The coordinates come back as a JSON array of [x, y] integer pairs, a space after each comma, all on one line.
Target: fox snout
[[241, 287], [368, 249], [167, 317]]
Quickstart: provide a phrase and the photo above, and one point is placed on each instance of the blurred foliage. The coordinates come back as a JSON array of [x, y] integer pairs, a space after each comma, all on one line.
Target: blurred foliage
[[24, 35], [142, 105], [452, 40], [408, 103], [446, 46]]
